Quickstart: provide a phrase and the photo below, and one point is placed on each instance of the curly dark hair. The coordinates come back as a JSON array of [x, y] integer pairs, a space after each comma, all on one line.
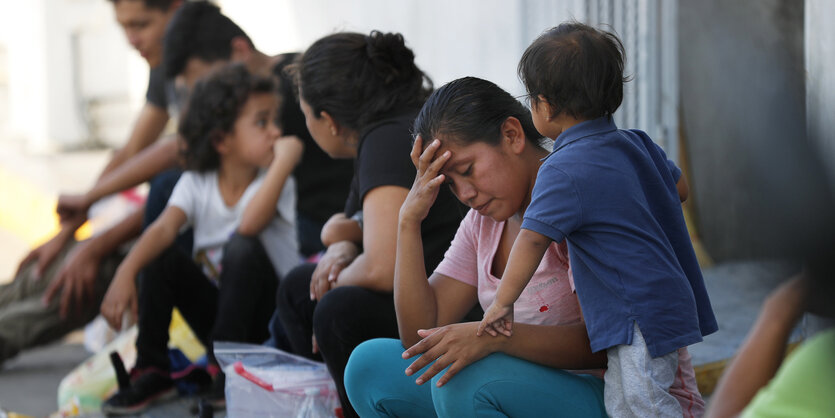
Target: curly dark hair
[[577, 69], [469, 110], [213, 107], [359, 79]]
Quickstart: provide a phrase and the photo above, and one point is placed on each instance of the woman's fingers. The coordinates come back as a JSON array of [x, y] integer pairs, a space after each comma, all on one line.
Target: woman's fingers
[[431, 354], [429, 156], [417, 148], [438, 163], [456, 367], [419, 348], [438, 366]]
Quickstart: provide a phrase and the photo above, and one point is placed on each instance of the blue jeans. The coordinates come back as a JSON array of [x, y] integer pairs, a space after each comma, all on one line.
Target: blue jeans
[[495, 386]]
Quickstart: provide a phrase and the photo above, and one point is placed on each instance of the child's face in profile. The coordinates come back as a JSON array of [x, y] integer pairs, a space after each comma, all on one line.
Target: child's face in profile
[[255, 132]]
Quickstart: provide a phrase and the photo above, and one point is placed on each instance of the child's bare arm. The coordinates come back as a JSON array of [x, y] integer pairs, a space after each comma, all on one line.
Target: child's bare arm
[[121, 295], [261, 209], [682, 188], [525, 257], [339, 228]]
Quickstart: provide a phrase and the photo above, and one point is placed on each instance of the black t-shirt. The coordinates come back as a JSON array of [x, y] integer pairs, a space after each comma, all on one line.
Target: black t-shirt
[[383, 160], [322, 182], [156, 88]]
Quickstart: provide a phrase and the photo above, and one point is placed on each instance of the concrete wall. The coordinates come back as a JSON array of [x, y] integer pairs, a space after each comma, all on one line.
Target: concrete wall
[[820, 79], [65, 58], [743, 95]]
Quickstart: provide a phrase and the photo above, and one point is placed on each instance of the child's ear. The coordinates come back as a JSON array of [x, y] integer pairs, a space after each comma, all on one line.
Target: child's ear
[[513, 134], [542, 107], [220, 141], [241, 49]]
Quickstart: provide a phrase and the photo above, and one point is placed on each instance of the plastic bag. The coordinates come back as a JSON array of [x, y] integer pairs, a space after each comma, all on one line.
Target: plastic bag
[[83, 389], [88, 385], [263, 381]]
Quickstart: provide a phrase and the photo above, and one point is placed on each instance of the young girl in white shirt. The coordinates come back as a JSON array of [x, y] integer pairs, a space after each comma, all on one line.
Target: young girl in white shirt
[[238, 195]]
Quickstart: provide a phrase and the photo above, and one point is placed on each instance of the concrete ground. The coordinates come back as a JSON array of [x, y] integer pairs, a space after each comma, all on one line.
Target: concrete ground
[[28, 383]]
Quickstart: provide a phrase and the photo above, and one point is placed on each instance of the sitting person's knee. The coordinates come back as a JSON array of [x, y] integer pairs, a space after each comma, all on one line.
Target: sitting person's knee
[[241, 246]]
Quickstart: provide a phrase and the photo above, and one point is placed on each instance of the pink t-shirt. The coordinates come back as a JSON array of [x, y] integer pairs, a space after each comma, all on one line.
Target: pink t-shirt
[[547, 300], [549, 297]]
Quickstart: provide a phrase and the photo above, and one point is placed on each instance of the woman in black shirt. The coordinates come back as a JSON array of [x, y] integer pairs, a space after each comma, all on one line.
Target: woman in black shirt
[[360, 95]]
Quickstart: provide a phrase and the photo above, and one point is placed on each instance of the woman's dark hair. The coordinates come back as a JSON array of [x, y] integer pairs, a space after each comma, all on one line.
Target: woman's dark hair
[[577, 69], [198, 30], [360, 79], [291, 118], [213, 107], [469, 110]]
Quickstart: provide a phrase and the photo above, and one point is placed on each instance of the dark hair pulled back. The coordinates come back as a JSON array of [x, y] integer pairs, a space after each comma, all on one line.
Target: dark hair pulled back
[[469, 110], [359, 79], [213, 107]]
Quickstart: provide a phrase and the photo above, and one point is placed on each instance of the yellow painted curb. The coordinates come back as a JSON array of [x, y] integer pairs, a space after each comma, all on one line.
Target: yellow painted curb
[[708, 375], [29, 213]]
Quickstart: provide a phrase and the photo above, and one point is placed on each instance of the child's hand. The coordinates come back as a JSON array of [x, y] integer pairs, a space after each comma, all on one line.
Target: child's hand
[[119, 299], [288, 150], [497, 319]]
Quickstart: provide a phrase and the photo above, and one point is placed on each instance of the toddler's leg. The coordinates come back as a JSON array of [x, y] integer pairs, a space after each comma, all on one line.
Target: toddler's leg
[[637, 385]]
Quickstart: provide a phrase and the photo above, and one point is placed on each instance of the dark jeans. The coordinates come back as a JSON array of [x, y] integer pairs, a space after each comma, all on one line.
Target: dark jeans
[[344, 318], [161, 187], [239, 310], [310, 235]]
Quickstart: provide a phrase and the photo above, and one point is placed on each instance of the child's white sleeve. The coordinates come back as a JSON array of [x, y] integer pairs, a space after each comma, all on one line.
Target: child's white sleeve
[[185, 193]]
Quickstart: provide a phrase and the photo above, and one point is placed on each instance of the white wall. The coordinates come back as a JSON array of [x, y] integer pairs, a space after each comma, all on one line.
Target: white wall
[[486, 38], [72, 76], [61, 54], [819, 45], [451, 39]]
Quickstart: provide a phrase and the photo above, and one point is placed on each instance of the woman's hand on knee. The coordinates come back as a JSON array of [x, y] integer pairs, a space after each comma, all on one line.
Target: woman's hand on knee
[[337, 257], [454, 346]]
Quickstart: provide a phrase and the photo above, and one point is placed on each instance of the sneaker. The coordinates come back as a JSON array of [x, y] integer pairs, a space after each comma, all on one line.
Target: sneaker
[[145, 388]]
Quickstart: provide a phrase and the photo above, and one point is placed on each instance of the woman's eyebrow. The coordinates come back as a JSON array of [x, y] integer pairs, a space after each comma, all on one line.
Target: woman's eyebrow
[[451, 164]]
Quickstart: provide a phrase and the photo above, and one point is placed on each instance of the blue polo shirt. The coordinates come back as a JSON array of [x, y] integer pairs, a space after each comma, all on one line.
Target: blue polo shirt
[[612, 195]]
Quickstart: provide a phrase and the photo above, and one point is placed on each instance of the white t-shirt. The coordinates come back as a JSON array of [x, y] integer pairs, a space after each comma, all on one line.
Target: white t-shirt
[[198, 195]]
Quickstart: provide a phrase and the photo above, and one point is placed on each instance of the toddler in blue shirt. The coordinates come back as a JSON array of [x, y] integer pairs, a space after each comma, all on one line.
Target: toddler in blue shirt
[[616, 199]]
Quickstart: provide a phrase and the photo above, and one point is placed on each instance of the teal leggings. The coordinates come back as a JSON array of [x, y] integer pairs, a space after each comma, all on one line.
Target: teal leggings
[[496, 386]]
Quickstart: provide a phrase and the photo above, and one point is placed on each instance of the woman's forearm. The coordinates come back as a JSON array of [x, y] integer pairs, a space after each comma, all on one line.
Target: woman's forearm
[[561, 346], [414, 298], [139, 169], [365, 273]]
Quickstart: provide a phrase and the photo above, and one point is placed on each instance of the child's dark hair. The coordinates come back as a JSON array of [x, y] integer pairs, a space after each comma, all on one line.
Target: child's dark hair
[[359, 79], [213, 107], [198, 30], [163, 5], [469, 110], [577, 69]]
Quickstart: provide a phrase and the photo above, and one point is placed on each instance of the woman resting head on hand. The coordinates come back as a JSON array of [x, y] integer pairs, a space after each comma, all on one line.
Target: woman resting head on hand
[[480, 142]]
